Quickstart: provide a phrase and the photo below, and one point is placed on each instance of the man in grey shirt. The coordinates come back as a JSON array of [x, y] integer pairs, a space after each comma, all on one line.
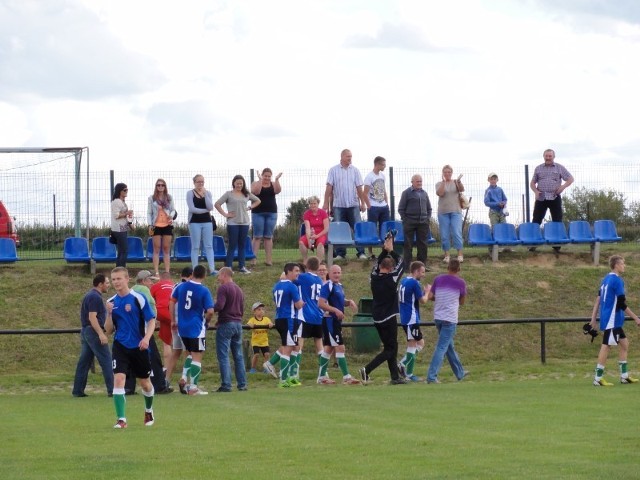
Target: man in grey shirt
[[415, 211]]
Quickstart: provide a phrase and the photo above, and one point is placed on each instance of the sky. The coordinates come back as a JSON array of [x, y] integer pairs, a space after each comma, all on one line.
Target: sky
[[210, 83]]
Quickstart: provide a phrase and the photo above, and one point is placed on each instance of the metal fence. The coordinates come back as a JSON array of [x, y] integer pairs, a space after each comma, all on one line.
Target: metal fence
[[44, 198]]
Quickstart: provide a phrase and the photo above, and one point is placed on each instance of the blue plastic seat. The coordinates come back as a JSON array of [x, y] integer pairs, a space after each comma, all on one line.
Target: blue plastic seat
[[76, 250], [605, 231], [340, 234], [555, 233], [135, 250], [530, 234], [220, 249], [392, 225], [150, 250], [102, 251], [182, 249], [580, 232], [505, 234], [430, 240], [8, 252], [480, 235], [248, 250], [366, 234]]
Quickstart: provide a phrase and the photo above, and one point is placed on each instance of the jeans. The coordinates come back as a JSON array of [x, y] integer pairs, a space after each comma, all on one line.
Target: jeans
[[351, 215], [263, 224], [237, 239], [229, 336], [202, 232], [450, 226], [91, 347], [446, 332], [378, 215], [122, 247]]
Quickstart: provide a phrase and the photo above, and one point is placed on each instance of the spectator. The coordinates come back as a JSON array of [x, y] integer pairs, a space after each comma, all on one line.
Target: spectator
[[448, 292], [200, 203], [160, 214], [259, 336], [415, 212], [161, 294], [376, 193], [344, 189], [323, 273], [94, 342], [237, 219], [612, 303], [121, 221], [450, 212], [229, 305], [265, 215], [547, 186], [496, 200], [316, 229]]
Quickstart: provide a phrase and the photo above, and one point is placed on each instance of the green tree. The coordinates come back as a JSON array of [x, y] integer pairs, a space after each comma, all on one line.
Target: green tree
[[591, 204], [295, 212]]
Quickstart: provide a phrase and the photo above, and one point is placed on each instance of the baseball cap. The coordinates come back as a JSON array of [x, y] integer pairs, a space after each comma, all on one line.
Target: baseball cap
[[144, 274], [492, 174], [256, 305]]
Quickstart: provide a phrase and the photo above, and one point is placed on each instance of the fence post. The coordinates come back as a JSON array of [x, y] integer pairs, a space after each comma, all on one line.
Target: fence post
[[526, 189], [543, 345], [392, 198]]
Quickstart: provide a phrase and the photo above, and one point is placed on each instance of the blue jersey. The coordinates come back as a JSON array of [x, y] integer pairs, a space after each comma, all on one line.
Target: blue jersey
[[309, 285], [612, 302], [192, 301], [409, 295], [130, 315], [334, 295], [285, 295]]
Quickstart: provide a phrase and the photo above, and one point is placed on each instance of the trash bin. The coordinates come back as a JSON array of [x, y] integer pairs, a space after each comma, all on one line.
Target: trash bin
[[365, 339]]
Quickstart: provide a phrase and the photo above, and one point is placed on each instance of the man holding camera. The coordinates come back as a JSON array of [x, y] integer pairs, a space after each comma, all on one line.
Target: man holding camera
[[385, 277], [415, 211]]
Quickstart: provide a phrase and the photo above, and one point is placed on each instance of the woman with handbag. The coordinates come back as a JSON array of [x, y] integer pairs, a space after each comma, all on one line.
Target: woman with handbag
[[121, 220], [160, 214], [200, 203], [450, 212]]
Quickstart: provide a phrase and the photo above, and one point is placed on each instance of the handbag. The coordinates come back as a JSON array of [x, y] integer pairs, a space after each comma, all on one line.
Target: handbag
[[462, 198], [213, 223], [112, 238]]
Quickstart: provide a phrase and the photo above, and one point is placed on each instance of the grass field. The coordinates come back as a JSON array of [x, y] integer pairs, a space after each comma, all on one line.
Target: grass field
[[511, 418]]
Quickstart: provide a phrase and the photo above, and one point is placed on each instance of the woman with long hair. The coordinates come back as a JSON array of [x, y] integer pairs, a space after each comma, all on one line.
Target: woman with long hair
[[265, 215], [160, 214], [237, 219], [200, 203], [121, 219]]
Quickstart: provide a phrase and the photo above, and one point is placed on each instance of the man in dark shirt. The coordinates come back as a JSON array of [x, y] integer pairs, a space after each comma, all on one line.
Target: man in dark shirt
[[384, 285], [415, 211], [229, 305]]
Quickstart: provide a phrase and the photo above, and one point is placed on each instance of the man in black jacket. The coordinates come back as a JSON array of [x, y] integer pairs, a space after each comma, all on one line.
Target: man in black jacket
[[385, 277], [415, 211]]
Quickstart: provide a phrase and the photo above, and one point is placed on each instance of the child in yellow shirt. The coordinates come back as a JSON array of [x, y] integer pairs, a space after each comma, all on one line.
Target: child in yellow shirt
[[259, 337]]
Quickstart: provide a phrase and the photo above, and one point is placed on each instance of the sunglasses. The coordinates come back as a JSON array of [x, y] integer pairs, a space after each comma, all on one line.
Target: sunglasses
[[160, 185]]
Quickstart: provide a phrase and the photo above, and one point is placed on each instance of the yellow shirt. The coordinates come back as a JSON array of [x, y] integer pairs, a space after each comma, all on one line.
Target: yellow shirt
[[259, 337]]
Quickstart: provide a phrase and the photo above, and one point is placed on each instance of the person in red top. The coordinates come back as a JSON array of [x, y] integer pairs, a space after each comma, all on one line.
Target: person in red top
[[316, 229], [161, 293]]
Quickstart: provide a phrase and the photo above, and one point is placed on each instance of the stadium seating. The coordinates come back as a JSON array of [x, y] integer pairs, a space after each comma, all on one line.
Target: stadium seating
[[480, 235], [102, 251], [555, 233], [76, 250], [392, 225], [182, 249], [8, 252], [505, 234], [366, 234], [529, 233], [580, 232], [339, 235], [605, 231], [248, 250], [135, 250], [150, 250], [220, 249]]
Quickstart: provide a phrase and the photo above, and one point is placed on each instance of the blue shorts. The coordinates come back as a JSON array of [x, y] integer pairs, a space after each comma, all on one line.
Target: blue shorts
[[263, 224], [378, 215]]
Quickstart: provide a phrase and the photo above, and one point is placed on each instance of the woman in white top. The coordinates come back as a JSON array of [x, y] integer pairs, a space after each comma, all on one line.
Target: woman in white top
[[121, 219], [200, 204], [237, 216], [449, 212]]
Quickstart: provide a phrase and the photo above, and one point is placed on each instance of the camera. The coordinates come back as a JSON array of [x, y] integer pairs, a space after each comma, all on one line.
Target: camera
[[587, 330], [391, 234]]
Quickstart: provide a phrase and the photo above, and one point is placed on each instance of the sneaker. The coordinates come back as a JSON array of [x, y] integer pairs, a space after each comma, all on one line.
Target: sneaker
[[460, 258], [325, 381], [253, 370], [363, 375], [362, 256], [372, 257], [194, 390], [284, 384], [398, 381], [338, 257], [629, 379], [165, 391], [446, 259], [402, 370], [244, 270], [222, 390], [148, 419], [121, 424], [602, 383], [532, 249], [556, 249], [213, 273], [271, 370], [182, 386], [412, 378], [351, 381], [294, 382], [433, 381]]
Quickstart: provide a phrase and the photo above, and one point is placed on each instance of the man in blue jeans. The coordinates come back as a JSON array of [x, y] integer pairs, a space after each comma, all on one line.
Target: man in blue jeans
[[94, 341], [230, 308], [344, 190], [448, 292]]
